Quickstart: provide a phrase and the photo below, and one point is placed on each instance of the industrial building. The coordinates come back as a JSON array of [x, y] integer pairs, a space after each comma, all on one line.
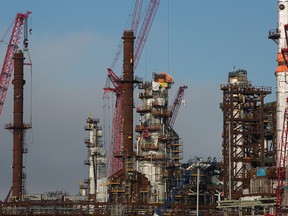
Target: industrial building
[[143, 172], [244, 149], [248, 142]]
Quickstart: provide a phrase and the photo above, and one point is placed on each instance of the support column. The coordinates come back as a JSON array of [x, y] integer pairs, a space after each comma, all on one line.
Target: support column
[[127, 87], [18, 128]]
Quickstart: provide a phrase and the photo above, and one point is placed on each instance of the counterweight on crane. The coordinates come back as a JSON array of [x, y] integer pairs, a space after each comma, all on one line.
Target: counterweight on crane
[[8, 67]]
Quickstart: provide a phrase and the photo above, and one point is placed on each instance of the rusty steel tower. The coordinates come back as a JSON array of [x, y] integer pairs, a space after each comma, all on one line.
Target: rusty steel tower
[[244, 150], [127, 185], [18, 128], [127, 91]]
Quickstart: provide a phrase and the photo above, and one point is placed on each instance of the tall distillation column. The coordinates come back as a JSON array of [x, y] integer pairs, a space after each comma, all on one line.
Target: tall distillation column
[[125, 185], [18, 126], [281, 72], [128, 79], [127, 107], [96, 162], [158, 146]]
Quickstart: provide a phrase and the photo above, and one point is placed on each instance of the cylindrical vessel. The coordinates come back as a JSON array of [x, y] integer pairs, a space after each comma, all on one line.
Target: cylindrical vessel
[[127, 91], [18, 128], [281, 74]]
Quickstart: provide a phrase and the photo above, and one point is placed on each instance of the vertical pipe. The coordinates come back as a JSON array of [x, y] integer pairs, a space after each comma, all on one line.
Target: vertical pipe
[[281, 73], [230, 150], [262, 139], [127, 88], [198, 180], [18, 131], [94, 160], [127, 107]]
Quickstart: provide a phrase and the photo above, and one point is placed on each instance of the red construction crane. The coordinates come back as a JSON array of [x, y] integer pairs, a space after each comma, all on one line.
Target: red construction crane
[[116, 144], [176, 105], [136, 14], [145, 29], [8, 66], [281, 169], [114, 162]]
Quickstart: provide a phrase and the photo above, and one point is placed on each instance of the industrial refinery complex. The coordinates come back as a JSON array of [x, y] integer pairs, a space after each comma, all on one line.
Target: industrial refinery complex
[[140, 169]]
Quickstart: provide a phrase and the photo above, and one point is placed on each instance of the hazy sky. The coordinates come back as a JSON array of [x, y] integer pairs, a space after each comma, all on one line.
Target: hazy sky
[[73, 42]]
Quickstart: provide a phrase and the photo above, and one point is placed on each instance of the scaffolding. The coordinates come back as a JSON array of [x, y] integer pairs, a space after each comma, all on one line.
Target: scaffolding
[[245, 145], [159, 148]]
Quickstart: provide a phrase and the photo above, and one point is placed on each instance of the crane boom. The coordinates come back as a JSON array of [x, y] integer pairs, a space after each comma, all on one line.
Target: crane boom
[[145, 29], [116, 141], [115, 81], [176, 105], [8, 66], [115, 145], [136, 16]]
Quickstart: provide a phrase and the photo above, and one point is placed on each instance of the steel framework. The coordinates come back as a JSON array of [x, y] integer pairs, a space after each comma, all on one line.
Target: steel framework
[[243, 136], [270, 133]]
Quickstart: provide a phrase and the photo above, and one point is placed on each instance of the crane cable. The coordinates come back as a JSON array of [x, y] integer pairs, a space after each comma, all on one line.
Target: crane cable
[[30, 135]]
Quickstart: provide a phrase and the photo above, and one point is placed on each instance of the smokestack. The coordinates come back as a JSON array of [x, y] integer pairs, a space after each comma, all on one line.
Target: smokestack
[[18, 83], [127, 88]]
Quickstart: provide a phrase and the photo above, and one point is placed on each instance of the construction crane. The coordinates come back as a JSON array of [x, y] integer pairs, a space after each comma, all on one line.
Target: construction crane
[[281, 169], [176, 105], [115, 142], [136, 15], [14, 43], [115, 163], [144, 31]]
